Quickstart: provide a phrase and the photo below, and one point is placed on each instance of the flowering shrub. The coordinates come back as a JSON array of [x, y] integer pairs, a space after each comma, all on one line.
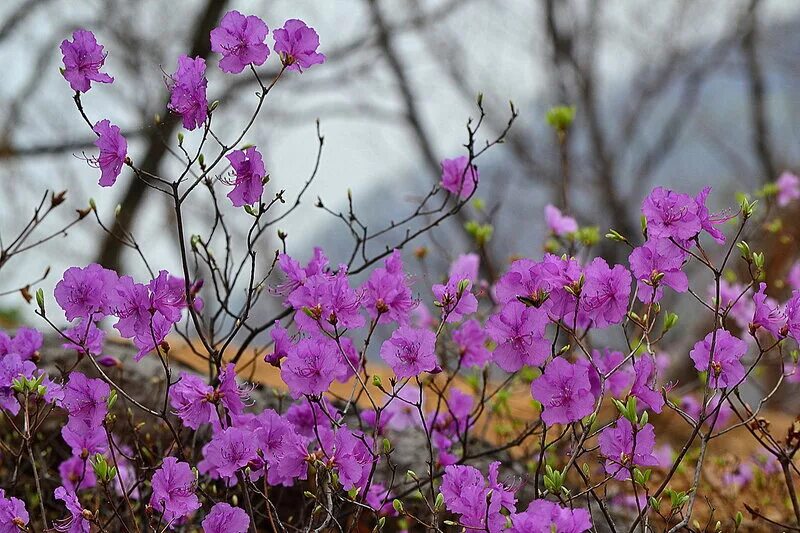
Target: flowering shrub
[[579, 337]]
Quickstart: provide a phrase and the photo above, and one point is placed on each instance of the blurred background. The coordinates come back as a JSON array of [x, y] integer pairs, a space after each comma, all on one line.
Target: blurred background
[[676, 92]]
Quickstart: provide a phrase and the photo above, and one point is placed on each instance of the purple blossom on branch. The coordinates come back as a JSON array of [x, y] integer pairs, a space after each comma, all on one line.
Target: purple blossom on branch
[[240, 40]]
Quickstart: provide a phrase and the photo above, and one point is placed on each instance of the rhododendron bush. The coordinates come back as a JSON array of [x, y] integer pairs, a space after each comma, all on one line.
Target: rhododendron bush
[[399, 406]]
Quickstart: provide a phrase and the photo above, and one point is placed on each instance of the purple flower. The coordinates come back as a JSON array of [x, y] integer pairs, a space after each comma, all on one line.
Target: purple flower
[[466, 492], [793, 278], [226, 519], [768, 314], [155, 333], [466, 266], [724, 366], [280, 344], [26, 343], [85, 339], [113, 151], [329, 302], [410, 351], [402, 411], [380, 499], [310, 367], [617, 446], [455, 298], [788, 188], [606, 361], [558, 223], [793, 315], [84, 437], [297, 44], [13, 516], [76, 523], [732, 296], [471, 341], [83, 59], [86, 398], [694, 409], [604, 298], [191, 397], [11, 367], [168, 295], [564, 391], [644, 384], [248, 167], [230, 395], [655, 264], [240, 40], [387, 292], [173, 491], [76, 474], [350, 453], [130, 303], [740, 476], [671, 215], [187, 88], [459, 177], [708, 221], [543, 516], [82, 292], [519, 332], [229, 450]]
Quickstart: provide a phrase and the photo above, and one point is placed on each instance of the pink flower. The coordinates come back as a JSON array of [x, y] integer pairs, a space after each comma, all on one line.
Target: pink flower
[[410, 351], [83, 59], [297, 45], [226, 519], [519, 333], [187, 88], [709, 221], [459, 177], [558, 223], [84, 437], [11, 367], [240, 40], [564, 391], [604, 298], [248, 167], [113, 151], [788, 188], [310, 367], [724, 366], [658, 258], [617, 446], [173, 491], [794, 276], [168, 295]]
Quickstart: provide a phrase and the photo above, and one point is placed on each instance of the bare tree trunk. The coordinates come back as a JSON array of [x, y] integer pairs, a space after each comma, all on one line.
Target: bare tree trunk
[[755, 81], [110, 253]]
